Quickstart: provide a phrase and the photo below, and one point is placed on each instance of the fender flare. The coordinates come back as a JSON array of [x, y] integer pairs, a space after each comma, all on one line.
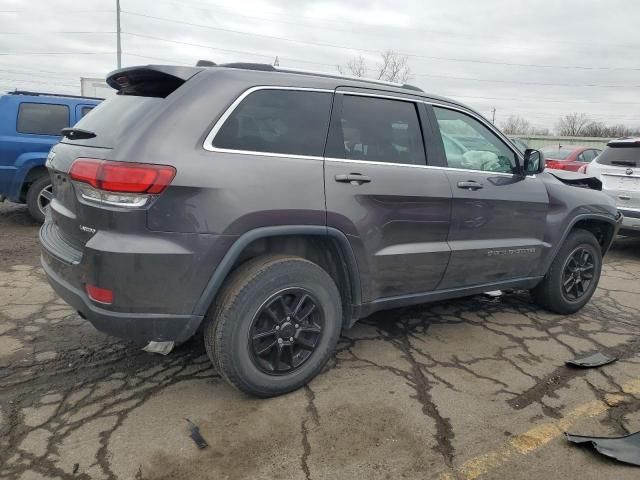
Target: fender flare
[[224, 267], [585, 216], [23, 165]]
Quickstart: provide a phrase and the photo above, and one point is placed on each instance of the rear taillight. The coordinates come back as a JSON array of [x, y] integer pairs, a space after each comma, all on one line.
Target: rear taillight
[[553, 164], [100, 295], [120, 183]]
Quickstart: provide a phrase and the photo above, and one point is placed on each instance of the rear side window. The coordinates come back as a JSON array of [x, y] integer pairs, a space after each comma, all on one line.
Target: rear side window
[[42, 118], [377, 130], [288, 122], [620, 156]]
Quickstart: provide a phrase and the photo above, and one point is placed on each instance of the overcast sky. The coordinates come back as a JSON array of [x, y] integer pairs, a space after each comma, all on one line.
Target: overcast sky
[[535, 58]]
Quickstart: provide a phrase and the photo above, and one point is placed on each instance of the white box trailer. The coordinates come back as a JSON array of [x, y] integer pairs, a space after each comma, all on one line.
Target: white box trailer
[[95, 87]]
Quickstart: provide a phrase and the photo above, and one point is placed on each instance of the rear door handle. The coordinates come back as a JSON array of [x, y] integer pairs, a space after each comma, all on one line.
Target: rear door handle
[[352, 178], [470, 185]]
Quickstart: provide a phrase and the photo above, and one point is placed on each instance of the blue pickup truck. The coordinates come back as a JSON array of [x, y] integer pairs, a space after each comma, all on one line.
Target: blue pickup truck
[[30, 125]]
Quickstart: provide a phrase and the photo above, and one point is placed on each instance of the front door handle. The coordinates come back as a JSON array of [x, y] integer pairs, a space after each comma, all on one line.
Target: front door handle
[[352, 178], [470, 185]]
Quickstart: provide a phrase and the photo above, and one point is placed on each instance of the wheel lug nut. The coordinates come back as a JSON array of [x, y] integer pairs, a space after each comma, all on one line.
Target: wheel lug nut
[[277, 327], [288, 318], [291, 339], [280, 340]]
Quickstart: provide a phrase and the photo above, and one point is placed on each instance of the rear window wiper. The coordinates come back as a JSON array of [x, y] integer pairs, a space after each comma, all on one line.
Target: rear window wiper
[[77, 133]]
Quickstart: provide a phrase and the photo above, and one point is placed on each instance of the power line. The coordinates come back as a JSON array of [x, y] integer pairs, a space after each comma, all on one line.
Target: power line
[[314, 22], [211, 47], [49, 32], [54, 53], [427, 75], [342, 47]]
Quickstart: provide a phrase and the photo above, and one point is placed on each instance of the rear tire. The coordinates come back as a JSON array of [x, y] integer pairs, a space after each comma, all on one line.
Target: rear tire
[[39, 196], [274, 325], [569, 284]]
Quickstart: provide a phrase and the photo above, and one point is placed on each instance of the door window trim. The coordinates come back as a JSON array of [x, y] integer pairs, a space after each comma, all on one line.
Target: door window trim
[[208, 141]]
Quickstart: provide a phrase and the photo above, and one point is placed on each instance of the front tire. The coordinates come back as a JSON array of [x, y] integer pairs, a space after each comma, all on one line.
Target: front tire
[[39, 196], [573, 276], [274, 325]]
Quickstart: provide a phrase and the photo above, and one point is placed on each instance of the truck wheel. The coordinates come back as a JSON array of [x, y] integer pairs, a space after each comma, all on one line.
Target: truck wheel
[[274, 325], [573, 276], [39, 196]]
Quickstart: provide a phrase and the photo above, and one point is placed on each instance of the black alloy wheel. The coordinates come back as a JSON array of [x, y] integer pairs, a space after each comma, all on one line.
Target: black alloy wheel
[[577, 274], [285, 331]]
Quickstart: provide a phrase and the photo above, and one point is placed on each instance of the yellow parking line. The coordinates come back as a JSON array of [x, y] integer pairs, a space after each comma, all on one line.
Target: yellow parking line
[[537, 437]]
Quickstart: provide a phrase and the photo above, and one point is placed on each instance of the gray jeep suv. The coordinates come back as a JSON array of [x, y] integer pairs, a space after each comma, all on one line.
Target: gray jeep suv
[[273, 208]]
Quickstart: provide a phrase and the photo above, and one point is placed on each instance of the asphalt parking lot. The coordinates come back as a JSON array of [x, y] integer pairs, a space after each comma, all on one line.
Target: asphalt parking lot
[[475, 388]]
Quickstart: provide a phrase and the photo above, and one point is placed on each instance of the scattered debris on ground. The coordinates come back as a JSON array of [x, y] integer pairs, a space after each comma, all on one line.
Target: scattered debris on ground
[[624, 449], [595, 360], [195, 435]]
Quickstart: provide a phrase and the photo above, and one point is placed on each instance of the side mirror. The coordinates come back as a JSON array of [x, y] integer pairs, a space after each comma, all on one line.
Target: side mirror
[[533, 162]]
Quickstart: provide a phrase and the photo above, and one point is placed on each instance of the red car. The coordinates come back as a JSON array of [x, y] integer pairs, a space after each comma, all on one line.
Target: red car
[[569, 157]]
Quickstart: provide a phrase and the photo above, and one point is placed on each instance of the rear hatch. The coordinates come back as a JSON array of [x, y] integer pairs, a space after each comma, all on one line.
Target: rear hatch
[[110, 127], [619, 168]]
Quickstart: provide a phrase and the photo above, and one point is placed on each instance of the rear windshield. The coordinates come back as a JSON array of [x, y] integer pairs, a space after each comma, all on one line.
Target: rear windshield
[[620, 156], [113, 118], [559, 154]]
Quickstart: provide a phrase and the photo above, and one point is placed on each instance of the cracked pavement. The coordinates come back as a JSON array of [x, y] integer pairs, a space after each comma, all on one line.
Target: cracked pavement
[[473, 388]]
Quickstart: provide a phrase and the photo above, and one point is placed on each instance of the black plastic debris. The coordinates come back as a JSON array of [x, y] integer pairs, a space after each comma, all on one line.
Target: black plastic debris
[[195, 435], [590, 361], [624, 449]]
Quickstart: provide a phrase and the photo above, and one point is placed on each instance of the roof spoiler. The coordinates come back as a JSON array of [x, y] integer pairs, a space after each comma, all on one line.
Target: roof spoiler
[[150, 80]]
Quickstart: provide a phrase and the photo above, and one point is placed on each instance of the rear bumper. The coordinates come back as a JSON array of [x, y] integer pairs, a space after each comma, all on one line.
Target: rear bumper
[[143, 327], [631, 222]]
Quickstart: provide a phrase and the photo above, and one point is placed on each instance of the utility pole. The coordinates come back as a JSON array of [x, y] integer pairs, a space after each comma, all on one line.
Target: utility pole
[[119, 43], [493, 115]]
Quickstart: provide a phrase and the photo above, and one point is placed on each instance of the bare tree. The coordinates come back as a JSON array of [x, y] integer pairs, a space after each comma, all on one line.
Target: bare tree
[[356, 67], [516, 125], [572, 124], [392, 67], [596, 129]]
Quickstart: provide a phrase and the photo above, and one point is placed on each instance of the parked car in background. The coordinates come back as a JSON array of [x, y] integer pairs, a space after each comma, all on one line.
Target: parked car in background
[[569, 157], [618, 168], [30, 124]]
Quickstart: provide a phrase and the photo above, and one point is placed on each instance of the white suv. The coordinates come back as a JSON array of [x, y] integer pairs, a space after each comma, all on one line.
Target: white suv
[[618, 167]]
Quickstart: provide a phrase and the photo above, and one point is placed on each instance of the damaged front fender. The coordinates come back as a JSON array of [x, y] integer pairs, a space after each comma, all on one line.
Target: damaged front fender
[[576, 179]]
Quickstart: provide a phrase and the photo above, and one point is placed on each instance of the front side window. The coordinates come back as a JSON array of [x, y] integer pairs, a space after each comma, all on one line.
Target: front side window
[[377, 130], [42, 118], [470, 145], [288, 122]]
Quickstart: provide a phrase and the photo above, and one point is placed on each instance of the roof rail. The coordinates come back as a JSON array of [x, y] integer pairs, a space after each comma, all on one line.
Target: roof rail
[[38, 94], [337, 75], [266, 67]]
